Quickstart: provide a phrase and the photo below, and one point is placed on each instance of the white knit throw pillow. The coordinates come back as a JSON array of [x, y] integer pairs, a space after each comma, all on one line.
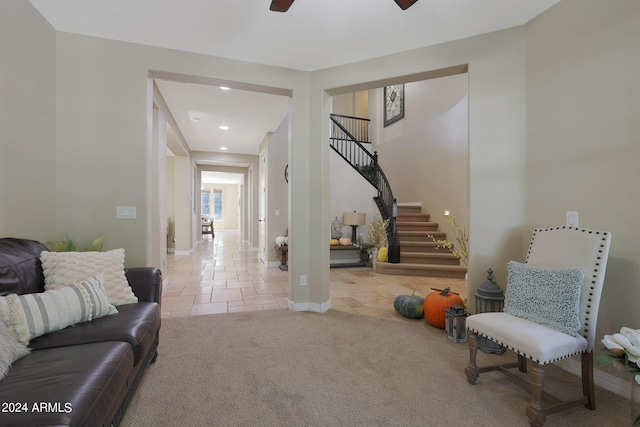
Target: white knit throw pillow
[[65, 268]]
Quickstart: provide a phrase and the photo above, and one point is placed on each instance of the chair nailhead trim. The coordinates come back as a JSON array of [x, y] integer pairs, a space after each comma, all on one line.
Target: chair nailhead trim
[[524, 354]]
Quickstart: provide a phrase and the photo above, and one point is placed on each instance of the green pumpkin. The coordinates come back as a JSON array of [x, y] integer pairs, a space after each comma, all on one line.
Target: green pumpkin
[[409, 306]]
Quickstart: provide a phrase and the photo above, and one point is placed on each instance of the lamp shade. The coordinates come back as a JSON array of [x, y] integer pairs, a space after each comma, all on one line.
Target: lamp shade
[[354, 218]]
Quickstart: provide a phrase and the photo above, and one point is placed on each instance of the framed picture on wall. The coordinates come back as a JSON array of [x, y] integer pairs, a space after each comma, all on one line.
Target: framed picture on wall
[[393, 104]]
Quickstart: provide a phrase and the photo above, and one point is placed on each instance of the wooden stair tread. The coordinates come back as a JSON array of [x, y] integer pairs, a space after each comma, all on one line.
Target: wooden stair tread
[[425, 270], [436, 255], [420, 217], [423, 233], [439, 258], [416, 223], [423, 247], [409, 209], [422, 266]]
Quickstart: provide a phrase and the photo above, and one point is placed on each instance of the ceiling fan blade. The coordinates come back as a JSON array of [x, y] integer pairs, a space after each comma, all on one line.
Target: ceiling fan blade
[[405, 4], [280, 5]]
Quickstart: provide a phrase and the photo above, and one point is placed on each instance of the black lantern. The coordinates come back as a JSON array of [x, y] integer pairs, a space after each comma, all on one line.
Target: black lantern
[[456, 324], [489, 299]]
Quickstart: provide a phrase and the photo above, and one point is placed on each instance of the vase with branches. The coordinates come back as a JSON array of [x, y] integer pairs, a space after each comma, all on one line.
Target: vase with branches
[[459, 249], [378, 231], [377, 235], [623, 350]]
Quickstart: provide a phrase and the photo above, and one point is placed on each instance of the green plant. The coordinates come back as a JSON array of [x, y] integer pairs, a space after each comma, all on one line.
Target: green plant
[[462, 250], [409, 306], [68, 245]]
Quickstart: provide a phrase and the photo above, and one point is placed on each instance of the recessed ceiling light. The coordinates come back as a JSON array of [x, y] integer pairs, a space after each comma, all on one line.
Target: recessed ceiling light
[[225, 88], [224, 148], [195, 119], [223, 127]]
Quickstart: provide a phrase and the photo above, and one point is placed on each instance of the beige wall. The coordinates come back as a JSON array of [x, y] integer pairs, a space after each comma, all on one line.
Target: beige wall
[[277, 207], [583, 136], [27, 125]]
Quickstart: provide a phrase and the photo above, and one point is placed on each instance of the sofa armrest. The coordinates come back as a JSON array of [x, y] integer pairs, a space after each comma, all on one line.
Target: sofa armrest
[[146, 283]]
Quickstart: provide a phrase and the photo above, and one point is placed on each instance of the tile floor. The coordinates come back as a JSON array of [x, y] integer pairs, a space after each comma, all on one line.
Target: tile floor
[[222, 276]]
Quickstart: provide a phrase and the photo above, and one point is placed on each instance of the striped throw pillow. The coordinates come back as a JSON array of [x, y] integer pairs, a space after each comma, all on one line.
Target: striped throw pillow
[[32, 315]]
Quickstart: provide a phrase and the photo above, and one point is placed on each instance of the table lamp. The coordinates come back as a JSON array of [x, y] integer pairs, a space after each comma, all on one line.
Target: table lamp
[[354, 219]]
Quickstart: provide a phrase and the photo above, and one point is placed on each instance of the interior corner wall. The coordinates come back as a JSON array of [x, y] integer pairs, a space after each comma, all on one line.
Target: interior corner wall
[[170, 208], [28, 123], [583, 149], [277, 207], [183, 205], [425, 155], [102, 117]]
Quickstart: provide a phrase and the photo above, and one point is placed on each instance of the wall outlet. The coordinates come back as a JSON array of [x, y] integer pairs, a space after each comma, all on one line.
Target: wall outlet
[[303, 280], [125, 212], [572, 219]]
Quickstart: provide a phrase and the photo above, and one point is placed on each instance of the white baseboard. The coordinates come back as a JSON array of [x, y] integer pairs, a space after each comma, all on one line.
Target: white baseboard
[[273, 264], [602, 379], [310, 306]]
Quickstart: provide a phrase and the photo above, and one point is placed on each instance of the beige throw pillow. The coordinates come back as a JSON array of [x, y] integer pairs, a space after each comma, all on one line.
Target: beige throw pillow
[[65, 268], [30, 315]]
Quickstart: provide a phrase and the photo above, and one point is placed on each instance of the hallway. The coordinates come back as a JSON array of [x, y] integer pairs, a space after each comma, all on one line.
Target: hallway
[[223, 276]]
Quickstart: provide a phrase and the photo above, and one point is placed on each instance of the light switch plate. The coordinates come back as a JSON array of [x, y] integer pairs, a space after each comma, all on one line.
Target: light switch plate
[[125, 212], [572, 218]]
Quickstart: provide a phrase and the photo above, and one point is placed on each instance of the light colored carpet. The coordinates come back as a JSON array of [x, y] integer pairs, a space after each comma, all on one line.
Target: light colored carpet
[[281, 368]]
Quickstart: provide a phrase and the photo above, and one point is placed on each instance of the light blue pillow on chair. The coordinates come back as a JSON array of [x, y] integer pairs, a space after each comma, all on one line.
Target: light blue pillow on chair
[[547, 296]]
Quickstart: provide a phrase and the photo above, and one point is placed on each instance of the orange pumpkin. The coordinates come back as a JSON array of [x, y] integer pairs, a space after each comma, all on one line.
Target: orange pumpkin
[[436, 303]]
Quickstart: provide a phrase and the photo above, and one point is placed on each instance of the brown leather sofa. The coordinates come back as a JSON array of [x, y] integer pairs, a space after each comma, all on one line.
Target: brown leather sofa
[[85, 374]]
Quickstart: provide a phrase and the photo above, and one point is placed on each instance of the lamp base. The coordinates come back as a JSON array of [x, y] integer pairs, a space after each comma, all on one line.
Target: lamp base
[[353, 234]]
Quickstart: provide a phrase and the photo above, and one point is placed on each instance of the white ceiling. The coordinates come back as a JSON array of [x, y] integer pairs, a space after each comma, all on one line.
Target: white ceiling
[[312, 35], [200, 109]]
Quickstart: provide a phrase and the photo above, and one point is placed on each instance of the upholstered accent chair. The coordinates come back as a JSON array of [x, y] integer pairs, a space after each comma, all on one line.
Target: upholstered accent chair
[[550, 313]]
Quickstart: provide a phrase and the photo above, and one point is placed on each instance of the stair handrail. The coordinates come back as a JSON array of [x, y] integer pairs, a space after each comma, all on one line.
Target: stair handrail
[[372, 172], [361, 134]]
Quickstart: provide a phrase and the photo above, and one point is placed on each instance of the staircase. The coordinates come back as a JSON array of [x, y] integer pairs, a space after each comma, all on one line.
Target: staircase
[[418, 253]]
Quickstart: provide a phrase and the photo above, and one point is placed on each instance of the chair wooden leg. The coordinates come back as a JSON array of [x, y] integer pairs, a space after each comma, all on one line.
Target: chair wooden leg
[[535, 411], [472, 369], [523, 363], [588, 389]]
